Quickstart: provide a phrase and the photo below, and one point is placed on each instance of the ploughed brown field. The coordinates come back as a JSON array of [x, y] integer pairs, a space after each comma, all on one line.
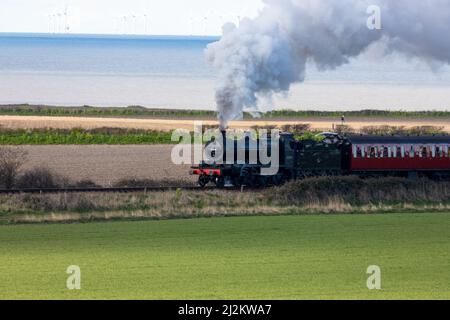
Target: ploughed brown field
[[30, 122], [106, 165]]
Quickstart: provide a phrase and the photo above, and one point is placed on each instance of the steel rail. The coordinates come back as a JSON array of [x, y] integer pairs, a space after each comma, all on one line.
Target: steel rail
[[100, 190]]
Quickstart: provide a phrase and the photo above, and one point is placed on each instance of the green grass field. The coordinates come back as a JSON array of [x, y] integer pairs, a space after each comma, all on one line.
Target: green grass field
[[288, 257], [139, 111]]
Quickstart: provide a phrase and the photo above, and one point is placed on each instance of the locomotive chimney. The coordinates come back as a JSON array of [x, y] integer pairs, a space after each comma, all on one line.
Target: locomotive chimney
[[224, 143]]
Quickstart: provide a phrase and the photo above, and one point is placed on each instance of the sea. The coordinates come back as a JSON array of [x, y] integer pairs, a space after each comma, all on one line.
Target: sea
[[171, 72]]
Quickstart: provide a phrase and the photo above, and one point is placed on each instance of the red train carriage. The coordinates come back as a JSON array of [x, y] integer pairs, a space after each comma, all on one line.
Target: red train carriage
[[410, 156]]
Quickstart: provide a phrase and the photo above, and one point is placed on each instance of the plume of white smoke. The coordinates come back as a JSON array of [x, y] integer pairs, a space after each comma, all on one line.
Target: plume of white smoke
[[268, 54]]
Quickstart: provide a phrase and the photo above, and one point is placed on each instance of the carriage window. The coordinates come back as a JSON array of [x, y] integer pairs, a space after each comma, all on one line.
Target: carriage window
[[373, 152], [385, 152], [424, 152], [399, 152], [439, 153], [359, 152], [409, 152]]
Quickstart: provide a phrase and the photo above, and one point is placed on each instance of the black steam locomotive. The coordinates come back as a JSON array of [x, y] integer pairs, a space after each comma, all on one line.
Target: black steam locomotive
[[328, 155]]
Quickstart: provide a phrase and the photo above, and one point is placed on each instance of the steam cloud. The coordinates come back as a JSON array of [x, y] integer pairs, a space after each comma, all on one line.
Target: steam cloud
[[268, 54]]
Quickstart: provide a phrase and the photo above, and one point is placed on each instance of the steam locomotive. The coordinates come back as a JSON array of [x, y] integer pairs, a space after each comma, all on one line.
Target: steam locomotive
[[329, 155]]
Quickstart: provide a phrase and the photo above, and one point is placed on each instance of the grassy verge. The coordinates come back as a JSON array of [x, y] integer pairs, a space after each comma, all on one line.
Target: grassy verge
[[88, 111], [313, 196], [357, 114], [137, 111], [296, 257]]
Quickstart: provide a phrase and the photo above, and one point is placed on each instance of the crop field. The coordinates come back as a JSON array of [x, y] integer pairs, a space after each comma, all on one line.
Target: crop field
[[106, 165], [103, 136], [317, 124], [286, 257]]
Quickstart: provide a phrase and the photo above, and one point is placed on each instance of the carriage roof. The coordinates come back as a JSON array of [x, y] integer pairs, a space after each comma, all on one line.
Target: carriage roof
[[363, 139]]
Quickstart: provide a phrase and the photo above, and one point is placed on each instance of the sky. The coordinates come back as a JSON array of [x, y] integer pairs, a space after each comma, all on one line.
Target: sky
[[155, 17]]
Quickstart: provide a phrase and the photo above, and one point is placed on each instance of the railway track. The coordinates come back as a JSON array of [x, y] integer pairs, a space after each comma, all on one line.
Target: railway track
[[99, 190]]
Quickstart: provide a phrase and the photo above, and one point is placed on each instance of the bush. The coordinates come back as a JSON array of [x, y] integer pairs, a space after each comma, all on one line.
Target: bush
[[401, 130], [344, 129], [41, 178], [297, 129], [426, 130], [85, 184], [354, 190], [11, 160], [58, 202], [144, 183]]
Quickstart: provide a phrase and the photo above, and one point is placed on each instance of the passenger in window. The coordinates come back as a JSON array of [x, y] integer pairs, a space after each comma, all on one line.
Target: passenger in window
[[399, 152], [358, 152], [412, 152], [386, 152], [424, 152]]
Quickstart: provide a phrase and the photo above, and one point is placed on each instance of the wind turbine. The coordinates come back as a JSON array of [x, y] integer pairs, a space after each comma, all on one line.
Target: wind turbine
[[55, 23], [117, 24], [145, 24], [134, 24], [50, 22], [199, 23], [66, 24], [227, 17], [205, 21], [60, 22], [124, 19], [191, 23]]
